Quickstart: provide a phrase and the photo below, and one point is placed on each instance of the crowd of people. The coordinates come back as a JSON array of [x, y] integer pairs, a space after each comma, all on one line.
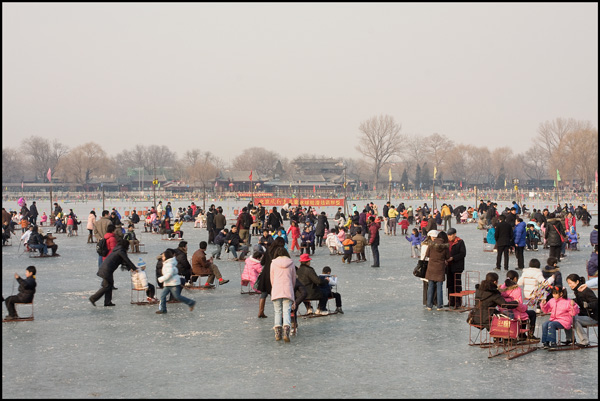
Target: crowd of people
[[271, 271]]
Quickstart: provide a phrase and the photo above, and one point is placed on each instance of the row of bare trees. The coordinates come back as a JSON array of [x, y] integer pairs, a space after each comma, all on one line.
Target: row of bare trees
[[568, 145]]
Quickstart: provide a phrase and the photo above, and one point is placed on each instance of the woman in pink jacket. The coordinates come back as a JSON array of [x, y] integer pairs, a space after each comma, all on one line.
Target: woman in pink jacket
[[561, 311], [511, 291], [90, 226], [283, 279]]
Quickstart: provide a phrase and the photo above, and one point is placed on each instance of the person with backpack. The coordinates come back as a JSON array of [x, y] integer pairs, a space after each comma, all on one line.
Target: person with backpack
[[100, 229], [118, 257], [244, 221]]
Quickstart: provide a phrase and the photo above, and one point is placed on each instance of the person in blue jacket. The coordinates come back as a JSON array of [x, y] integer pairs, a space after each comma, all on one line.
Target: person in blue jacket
[[520, 242]]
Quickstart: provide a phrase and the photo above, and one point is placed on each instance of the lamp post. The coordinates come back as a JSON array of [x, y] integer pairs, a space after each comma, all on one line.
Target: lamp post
[[516, 187]]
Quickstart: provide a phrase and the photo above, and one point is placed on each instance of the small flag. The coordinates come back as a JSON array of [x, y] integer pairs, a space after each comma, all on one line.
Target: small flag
[[434, 172], [216, 184], [314, 189], [250, 175], [390, 174], [557, 175], [555, 183], [461, 184], [596, 177], [344, 184], [505, 183], [49, 175], [21, 185]]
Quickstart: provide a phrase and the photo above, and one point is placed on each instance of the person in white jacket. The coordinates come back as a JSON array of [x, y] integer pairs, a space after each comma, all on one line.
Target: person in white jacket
[[172, 283], [531, 281], [139, 280], [333, 242]]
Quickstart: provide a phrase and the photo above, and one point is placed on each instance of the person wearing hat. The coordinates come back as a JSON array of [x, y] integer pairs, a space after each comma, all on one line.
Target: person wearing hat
[[139, 280], [438, 254], [309, 278], [456, 265], [49, 240]]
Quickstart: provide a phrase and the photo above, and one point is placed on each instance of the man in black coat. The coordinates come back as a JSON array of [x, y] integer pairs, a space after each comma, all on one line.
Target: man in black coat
[[490, 213], [504, 238], [210, 223], [456, 265], [234, 244], [25, 295], [482, 208], [386, 209], [183, 265], [118, 257], [33, 213], [511, 218]]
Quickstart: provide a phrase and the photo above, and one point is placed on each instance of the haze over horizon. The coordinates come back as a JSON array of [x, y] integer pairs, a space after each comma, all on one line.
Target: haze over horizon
[[293, 78]]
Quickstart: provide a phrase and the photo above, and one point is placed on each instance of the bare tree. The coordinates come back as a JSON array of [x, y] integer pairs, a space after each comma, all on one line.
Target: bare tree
[[191, 157], [414, 150], [13, 166], [160, 156], [551, 135], [134, 158], [256, 159], [534, 163], [380, 140], [436, 148], [579, 155], [203, 171], [498, 161], [43, 155], [84, 162], [482, 171]]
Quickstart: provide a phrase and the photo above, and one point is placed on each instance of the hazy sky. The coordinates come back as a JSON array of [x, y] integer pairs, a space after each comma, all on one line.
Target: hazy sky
[[293, 78]]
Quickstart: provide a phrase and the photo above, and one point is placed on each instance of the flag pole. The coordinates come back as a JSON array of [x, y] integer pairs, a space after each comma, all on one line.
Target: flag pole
[[557, 181], [50, 197], [251, 189], [390, 186]]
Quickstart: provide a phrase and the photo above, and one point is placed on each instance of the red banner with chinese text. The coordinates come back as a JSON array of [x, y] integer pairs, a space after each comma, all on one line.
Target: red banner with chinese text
[[295, 201], [249, 194]]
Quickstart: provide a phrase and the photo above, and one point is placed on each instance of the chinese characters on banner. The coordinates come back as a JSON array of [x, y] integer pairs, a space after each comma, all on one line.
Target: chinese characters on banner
[[294, 201], [248, 194]]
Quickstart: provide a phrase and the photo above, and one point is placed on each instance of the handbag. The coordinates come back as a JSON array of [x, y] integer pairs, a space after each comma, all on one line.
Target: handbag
[[504, 327], [420, 269], [561, 237], [257, 282]]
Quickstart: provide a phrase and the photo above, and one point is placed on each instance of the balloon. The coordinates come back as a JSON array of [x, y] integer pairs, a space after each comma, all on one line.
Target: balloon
[[21, 201]]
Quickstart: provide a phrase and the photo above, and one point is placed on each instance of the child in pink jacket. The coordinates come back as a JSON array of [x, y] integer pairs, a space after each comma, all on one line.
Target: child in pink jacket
[[252, 269], [561, 311], [511, 291]]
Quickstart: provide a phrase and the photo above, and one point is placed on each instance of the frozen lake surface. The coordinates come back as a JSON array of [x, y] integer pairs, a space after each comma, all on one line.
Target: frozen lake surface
[[386, 345]]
